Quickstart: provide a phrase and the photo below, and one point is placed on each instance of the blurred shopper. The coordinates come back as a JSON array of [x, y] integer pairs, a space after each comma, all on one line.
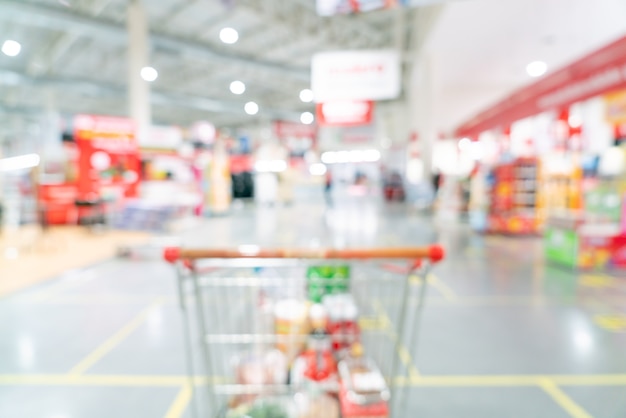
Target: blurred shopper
[[328, 188]]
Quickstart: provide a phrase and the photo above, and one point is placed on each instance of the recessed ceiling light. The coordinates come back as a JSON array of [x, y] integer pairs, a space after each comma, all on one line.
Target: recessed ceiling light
[[11, 48], [251, 108], [306, 95], [149, 74], [465, 143], [536, 68], [237, 87], [307, 118], [229, 35]]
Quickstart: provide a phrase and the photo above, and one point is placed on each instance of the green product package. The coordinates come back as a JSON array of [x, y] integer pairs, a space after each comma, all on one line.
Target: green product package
[[561, 246], [327, 280]]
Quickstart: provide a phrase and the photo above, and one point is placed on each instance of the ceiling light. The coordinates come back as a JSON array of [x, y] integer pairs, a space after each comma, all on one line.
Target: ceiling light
[[465, 143], [229, 35], [21, 162], [251, 108], [306, 95], [11, 48], [307, 118], [149, 74], [536, 68], [317, 169], [237, 87]]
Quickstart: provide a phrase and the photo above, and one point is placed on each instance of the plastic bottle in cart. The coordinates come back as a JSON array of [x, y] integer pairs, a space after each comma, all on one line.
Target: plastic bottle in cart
[[343, 321]]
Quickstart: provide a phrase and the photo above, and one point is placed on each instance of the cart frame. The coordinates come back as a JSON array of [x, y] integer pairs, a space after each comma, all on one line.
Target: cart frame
[[189, 271]]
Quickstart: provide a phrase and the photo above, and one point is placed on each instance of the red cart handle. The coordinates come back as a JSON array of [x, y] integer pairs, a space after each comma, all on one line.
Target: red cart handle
[[434, 253]]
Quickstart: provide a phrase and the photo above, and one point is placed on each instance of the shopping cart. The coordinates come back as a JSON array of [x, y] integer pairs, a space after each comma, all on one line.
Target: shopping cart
[[302, 333]]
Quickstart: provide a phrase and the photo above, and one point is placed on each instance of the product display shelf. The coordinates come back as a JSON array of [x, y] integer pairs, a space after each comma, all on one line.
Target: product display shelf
[[515, 198]]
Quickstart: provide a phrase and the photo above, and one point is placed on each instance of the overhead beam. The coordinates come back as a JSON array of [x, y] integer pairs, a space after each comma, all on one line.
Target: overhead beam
[[90, 87], [36, 14]]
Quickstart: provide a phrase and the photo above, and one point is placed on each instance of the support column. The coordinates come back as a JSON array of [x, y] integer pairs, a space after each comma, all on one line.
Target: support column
[[422, 91], [138, 57]]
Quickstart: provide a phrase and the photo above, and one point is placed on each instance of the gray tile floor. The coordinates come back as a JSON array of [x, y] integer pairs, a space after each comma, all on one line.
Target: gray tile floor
[[503, 334]]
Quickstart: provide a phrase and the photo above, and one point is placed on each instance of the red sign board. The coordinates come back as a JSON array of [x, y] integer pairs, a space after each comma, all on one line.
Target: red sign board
[[345, 113], [600, 72], [286, 129], [108, 155]]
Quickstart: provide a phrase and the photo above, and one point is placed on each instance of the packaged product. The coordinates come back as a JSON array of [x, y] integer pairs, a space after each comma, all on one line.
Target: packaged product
[[343, 323], [317, 363], [265, 408], [258, 368], [363, 390], [327, 280], [316, 405], [292, 326]]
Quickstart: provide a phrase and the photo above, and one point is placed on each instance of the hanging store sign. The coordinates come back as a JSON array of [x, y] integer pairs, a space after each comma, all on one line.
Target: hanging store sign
[[345, 113], [162, 137], [335, 7], [355, 75], [598, 73], [286, 129], [108, 155]]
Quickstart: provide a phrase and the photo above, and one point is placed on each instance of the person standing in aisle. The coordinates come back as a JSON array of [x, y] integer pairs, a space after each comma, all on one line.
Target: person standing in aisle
[[328, 188]]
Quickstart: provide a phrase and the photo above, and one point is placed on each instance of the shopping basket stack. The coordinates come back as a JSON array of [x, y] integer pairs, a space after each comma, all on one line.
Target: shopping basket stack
[[301, 333]]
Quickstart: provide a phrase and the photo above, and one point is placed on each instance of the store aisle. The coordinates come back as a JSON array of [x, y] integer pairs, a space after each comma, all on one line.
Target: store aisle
[[503, 335]]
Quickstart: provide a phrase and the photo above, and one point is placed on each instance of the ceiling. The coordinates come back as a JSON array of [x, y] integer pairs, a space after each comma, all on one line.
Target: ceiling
[[74, 55], [74, 52], [481, 47]]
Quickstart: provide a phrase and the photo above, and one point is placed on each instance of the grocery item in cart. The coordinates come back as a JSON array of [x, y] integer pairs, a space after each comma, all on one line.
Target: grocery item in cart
[[315, 404], [363, 390], [265, 408], [343, 324], [258, 368], [292, 326], [327, 280], [317, 363]]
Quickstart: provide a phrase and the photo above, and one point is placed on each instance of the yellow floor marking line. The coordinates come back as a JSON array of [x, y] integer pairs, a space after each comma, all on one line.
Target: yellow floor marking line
[[93, 380], [596, 280], [479, 301], [181, 401], [112, 299], [613, 323], [178, 381], [564, 401], [448, 294], [114, 340], [402, 351], [57, 288]]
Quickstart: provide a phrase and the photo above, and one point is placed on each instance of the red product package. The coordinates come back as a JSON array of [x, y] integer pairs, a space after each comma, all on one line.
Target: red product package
[[353, 410]]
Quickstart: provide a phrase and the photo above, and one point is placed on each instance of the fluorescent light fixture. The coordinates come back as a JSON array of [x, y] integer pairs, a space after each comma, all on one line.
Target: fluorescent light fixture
[[371, 155], [536, 68], [306, 95], [237, 87], [149, 74], [307, 118], [353, 156], [11, 48], [21, 162], [317, 169], [274, 166], [476, 150], [465, 144], [229, 35], [575, 121], [251, 108], [249, 250]]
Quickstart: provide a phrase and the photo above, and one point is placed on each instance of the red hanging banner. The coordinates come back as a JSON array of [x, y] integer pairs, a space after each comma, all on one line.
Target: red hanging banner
[[108, 155], [598, 73]]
